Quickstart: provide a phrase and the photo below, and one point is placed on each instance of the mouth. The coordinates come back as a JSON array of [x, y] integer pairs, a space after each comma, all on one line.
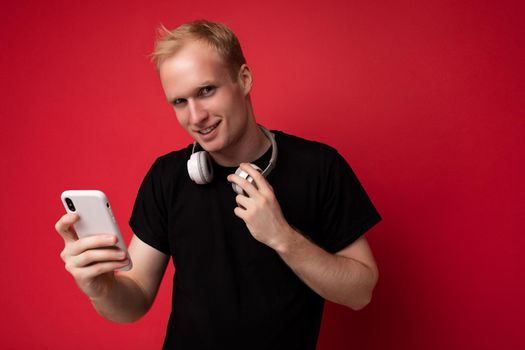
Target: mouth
[[209, 129]]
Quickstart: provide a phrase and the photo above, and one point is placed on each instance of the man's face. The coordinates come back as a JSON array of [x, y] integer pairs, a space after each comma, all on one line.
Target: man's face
[[210, 105]]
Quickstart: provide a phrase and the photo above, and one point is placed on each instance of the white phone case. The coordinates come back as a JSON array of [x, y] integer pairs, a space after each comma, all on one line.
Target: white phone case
[[95, 215]]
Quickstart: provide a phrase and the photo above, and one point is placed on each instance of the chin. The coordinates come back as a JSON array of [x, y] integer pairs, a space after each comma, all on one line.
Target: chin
[[212, 146]]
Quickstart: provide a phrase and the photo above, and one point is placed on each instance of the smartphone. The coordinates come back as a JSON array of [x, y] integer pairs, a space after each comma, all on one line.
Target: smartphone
[[95, 216]]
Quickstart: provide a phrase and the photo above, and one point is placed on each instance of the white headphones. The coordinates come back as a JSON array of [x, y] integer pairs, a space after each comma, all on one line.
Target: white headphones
[[200, 168]]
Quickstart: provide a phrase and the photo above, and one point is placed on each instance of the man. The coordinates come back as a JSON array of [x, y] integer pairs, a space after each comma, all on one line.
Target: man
[[252, 269]]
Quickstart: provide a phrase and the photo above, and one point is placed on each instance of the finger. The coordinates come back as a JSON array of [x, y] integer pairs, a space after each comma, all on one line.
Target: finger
[[95, 270], [260, 181], [92, 256], [239, 212], [92, 242], [64, 227], [246, 185], [243, 201]]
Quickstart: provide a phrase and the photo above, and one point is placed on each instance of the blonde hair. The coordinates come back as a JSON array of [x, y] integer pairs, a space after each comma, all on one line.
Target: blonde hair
[[217, 35]]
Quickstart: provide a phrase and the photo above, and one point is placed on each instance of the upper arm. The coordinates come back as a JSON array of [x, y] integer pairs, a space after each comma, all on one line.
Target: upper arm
[[360, 251], [149, 265]]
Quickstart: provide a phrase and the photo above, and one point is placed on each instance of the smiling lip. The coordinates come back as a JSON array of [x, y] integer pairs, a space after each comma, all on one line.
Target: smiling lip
[[206, 134], [209, 129]]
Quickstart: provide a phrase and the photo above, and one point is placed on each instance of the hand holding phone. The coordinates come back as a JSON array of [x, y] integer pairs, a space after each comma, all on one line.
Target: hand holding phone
[[94, 247]]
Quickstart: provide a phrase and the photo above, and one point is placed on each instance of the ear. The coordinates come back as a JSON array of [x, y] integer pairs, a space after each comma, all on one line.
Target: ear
[[245, 79]]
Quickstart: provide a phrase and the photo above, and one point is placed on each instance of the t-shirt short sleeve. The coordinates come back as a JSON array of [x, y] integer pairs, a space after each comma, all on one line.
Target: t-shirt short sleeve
[[149, 217], [346, 210]]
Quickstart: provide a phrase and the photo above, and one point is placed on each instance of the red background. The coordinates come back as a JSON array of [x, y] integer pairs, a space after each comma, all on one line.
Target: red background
[[425, 99]]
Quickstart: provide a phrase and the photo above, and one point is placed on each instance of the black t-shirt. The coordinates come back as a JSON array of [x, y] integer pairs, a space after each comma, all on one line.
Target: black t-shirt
[[229, 290]]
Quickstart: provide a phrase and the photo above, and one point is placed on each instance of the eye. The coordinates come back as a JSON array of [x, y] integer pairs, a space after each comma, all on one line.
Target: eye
[[178, 101], [207, 90]]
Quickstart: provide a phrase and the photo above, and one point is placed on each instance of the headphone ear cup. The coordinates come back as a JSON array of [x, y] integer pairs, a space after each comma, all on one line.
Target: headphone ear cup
[[238, 189], [200, 168]]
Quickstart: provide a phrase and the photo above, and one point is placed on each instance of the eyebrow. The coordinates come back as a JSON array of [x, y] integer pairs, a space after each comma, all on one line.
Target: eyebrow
[[196, 90]]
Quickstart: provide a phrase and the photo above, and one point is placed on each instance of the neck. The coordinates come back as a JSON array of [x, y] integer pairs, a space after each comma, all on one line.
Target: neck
[[251, 146]]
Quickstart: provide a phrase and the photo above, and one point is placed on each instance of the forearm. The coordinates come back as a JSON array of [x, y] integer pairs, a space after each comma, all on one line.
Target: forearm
[[123, 302], [336, 278]]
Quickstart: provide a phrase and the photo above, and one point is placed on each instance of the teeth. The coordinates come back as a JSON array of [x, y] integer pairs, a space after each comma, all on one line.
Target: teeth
[[208, 130]]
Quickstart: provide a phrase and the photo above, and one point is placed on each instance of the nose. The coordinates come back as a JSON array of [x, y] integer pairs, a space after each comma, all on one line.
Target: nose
[[197, 112]]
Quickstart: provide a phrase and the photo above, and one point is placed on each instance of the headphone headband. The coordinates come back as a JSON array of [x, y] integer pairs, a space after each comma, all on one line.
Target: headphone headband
[[273, 158]]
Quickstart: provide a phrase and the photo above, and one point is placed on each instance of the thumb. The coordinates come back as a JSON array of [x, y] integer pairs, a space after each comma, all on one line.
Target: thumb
[[65, 229]]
